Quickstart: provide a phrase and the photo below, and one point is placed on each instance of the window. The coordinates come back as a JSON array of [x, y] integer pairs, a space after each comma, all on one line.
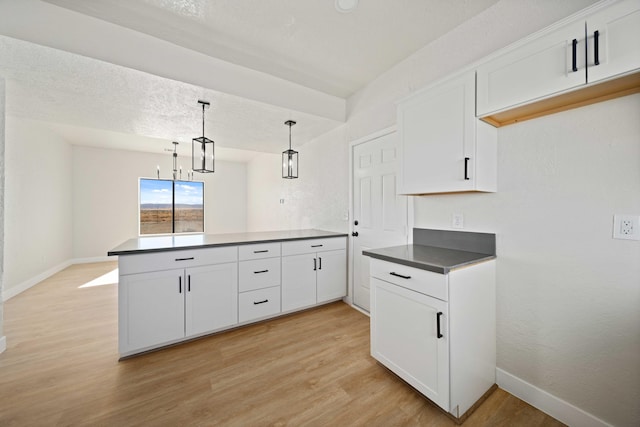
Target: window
[[168, 206]]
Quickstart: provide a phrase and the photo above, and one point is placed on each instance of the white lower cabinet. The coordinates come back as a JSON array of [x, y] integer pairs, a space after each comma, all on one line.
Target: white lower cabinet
[[157, 308], [168, 296], [442, 346], [313, 271], [405, 337]]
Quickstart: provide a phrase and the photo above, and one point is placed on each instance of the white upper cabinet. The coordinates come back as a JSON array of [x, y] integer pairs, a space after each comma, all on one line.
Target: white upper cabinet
[[444, 147], [587, 50], [613, 38], [540, 68]]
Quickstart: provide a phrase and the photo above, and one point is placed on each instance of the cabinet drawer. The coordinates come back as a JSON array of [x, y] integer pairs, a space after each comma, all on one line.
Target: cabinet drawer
[[423, 281], [260, 303], [313, 245], [258, 274], [260, 250], [157, 261]]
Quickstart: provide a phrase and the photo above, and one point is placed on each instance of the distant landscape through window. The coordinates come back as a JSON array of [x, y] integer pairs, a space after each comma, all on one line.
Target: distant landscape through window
[[168, 206]]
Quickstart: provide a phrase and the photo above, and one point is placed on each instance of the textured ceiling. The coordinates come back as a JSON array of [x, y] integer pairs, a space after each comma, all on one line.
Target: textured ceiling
[[303, 41], [306, 42], [58, 87]]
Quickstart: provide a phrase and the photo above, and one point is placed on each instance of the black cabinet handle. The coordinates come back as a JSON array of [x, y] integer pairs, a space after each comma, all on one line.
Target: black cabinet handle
[[355, 222], [354, 234], [260, 302], [466, 168], [319, 263], [393, 273], [261, 252], [596, 47], [314, 265], [189, 283], [438, 322], [180, 284], [184, 259], [261, 271], [574, 55], [316, 246]]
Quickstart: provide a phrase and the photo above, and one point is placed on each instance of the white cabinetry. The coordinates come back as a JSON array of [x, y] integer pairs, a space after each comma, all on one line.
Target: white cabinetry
[[435, 331], [603, 45], [259, 273], [445, 148], [160, 307], [313, 271]]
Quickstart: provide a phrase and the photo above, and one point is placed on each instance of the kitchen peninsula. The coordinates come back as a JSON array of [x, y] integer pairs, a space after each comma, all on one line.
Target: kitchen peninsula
[[176, 288]]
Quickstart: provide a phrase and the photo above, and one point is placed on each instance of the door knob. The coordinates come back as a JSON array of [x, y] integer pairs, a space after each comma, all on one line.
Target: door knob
[[355, 222], [354, 234]]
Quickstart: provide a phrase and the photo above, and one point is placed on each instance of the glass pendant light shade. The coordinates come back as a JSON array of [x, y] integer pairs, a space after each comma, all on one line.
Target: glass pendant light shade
[[202, 155], [289, 157], [202, 150]]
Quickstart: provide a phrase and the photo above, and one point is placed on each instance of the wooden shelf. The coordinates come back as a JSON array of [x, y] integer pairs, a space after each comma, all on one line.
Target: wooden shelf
[[586, 95]]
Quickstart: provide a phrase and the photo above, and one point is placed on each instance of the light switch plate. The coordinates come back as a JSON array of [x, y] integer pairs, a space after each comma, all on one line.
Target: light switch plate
[[626, 227], [457, 220]]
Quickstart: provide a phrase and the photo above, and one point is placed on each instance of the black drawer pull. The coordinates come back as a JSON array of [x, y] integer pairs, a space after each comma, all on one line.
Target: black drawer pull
[[261, 252], [596, 47], [260, 302], [438, 322], [184, 259], [399, 275], [317, 246], [466, 168], [574, 56], [261, 271]]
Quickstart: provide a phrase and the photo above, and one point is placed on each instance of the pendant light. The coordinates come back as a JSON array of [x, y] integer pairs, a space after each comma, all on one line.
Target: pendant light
[[289, 157], [202, 149]]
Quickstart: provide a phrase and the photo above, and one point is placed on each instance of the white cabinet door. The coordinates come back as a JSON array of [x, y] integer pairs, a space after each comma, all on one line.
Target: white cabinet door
[[404, 337], [298, 281], [331, 275], [538, 69], [211, 298], [151, 309], [614, 34], [441, 152]]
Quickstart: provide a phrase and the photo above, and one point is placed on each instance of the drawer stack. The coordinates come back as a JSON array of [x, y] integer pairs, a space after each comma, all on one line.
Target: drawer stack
[[258, 281]]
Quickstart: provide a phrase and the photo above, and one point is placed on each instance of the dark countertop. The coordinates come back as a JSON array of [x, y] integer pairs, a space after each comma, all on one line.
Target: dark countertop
[[194, 241], [431, 258]]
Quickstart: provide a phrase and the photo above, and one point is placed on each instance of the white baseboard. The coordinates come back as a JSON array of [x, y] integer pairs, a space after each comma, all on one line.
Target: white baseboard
[[546, 402], [21, 287], [3, 343], [93, 259]]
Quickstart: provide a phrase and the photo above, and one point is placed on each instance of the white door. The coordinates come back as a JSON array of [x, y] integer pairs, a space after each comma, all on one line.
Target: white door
[[331, 275], [380, 213], [616, 43], [409, 335], [298, 281], [211, 298], [153, 308]]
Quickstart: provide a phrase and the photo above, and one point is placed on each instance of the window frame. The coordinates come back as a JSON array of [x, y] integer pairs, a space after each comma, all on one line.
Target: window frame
[[173, 208]]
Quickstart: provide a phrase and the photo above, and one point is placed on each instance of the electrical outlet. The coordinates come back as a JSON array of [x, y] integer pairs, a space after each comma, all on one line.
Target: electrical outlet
[[457, 220], [626, 227]]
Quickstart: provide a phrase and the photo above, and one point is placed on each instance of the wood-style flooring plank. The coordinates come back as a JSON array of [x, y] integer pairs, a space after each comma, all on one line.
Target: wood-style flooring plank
[[313, 368]]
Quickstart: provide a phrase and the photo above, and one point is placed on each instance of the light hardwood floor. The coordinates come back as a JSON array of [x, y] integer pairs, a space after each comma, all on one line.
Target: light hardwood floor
[[313, 368]]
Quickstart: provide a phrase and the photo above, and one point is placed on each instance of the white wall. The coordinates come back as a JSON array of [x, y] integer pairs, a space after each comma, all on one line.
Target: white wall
[[317, 199], [105, 196], [568, 294], [38, 214]]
